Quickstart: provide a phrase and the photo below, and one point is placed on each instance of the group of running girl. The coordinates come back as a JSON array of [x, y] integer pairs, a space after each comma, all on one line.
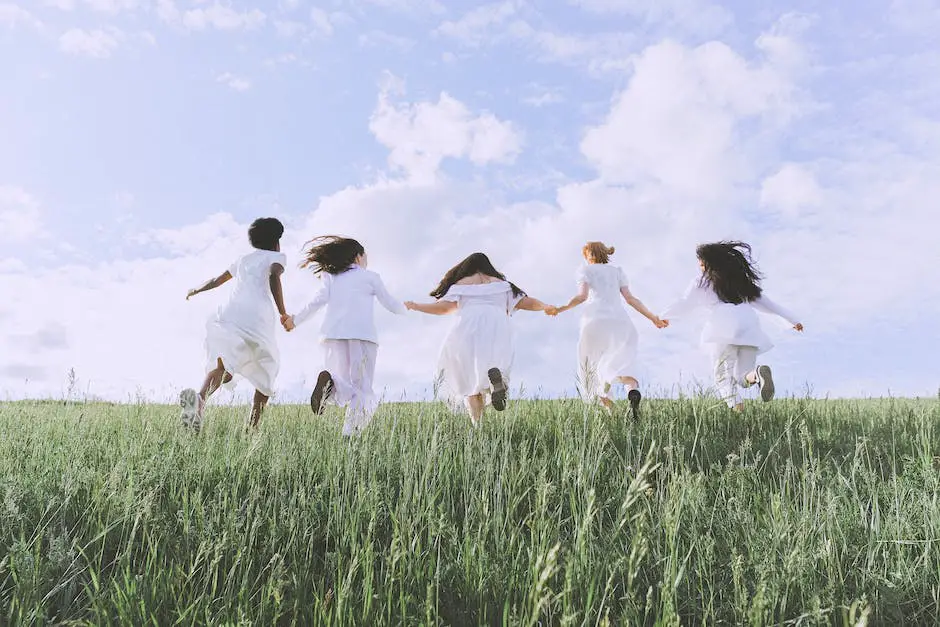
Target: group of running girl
[[476, 358]]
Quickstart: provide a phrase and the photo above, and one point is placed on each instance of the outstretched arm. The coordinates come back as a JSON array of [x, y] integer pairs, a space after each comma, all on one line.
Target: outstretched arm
[[277, 291], [320, 299], [635, 302], [388, 301], [211, 284], [766, 305], [527, 303], [576, 300], [440, 308], [689, 302]]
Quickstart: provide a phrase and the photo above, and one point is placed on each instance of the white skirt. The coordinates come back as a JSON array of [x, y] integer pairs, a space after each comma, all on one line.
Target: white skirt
[[251, 355], [607, 350], [480, 339]]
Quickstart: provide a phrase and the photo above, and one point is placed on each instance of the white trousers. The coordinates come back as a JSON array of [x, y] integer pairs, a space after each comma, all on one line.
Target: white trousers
[[732, 364], [351, 363]]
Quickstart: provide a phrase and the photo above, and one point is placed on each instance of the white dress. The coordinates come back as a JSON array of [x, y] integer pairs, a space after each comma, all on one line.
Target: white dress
[[480, 339], [607, 346], [728, 324], [242, 332]]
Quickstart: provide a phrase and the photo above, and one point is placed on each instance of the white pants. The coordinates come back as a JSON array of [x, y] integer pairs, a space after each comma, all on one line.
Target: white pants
[[732, 364], [351, 363]]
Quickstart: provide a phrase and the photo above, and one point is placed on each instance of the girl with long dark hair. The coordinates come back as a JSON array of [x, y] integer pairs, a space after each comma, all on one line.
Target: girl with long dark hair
[[348, 333], [729, 288], [476, 358], [607, 344]]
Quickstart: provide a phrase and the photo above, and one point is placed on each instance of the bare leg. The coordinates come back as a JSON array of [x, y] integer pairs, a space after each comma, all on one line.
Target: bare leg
[[257, 408], [476, 405], [213, 382], [629, 382]]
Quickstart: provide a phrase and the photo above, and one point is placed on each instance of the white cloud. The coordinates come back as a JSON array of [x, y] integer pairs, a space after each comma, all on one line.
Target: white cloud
[[13, 15], [221, 17], [112, 6], [791, 191], [289, 29], [477, 25], [62, 5], [321, 21], [421, 135], [379, 38], [237, 83], [20, 215], [97, 43], [696, 16], [414, 7]]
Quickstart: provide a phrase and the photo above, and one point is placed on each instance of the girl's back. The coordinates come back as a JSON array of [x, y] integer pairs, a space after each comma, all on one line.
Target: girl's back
[[251, 295], [604, 297]]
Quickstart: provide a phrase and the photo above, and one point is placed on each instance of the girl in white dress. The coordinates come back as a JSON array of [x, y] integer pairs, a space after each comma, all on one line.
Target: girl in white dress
[[729, 289], [476, 358], [348, 333], [607, 345], [240, 336]]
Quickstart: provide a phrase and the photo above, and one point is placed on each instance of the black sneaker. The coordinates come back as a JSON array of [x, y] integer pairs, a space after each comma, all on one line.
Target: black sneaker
[[321, 392], [498, 398], [765, 380], [634, 397]]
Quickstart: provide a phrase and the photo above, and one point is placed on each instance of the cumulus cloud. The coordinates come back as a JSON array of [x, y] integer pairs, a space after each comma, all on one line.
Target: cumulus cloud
[[421, 135], [237, 83], [218, 16], [13, 15], [97, 43], [20, 215]]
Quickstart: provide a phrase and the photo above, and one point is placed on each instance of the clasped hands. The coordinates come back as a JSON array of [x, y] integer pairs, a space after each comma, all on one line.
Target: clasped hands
[[552, 310]]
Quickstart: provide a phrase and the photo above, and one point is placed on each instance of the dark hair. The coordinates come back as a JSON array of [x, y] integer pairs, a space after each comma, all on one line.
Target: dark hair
[[599, 251], [730, 271], [475, 263], [265, 233], [331, 254]]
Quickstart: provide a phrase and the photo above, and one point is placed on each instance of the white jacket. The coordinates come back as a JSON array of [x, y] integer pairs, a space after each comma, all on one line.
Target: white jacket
[[349, 299]]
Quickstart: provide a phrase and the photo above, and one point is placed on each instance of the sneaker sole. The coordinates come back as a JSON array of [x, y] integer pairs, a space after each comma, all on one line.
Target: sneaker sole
[[498, 397], [766, 379], [189, 414], [635, 397], [321, 391]]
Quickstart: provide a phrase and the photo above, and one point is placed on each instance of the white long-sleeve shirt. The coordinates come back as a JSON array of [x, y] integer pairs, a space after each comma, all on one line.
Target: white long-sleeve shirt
[[349, 298], [727, 323]]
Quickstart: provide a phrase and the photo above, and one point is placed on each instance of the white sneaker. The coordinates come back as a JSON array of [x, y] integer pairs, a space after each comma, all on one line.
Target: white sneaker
[[765, 380], [189, 414]]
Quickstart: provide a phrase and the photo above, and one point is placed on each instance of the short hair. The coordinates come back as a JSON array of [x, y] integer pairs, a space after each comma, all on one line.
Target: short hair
[[265, 233], [599, 251]]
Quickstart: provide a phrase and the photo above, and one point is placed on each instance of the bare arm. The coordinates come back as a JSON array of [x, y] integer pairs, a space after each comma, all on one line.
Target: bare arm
[[440, 308], [528, 303], [576, 300], [277, 291], [637, 304], [211, 284]]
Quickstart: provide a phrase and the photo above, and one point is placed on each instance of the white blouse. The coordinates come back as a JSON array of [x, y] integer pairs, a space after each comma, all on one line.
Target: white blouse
[[727, 323], [349, 298]]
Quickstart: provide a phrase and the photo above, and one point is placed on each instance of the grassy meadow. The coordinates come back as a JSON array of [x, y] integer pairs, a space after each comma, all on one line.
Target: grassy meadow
[[799, 512]]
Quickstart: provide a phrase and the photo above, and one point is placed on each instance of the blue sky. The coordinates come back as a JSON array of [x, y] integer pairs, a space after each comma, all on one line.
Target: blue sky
[[140, 137]]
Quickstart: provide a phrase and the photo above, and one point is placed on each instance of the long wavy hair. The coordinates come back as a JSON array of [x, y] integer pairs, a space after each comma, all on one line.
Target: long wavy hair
[[331, 254], [730, 271], [477, 263]]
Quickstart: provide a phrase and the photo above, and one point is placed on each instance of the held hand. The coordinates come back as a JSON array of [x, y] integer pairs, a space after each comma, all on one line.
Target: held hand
[[410, 305], [287, 321], [662, 324], [798, 326], [551, 310]]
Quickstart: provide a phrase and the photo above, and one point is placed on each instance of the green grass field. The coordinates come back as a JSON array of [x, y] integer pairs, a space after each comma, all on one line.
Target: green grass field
[[796, 512]]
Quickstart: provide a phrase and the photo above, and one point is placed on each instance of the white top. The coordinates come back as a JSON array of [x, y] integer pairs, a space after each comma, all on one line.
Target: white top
[[728, 324], [250, 306], [349, 299], [496, 294], [604, 283]]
